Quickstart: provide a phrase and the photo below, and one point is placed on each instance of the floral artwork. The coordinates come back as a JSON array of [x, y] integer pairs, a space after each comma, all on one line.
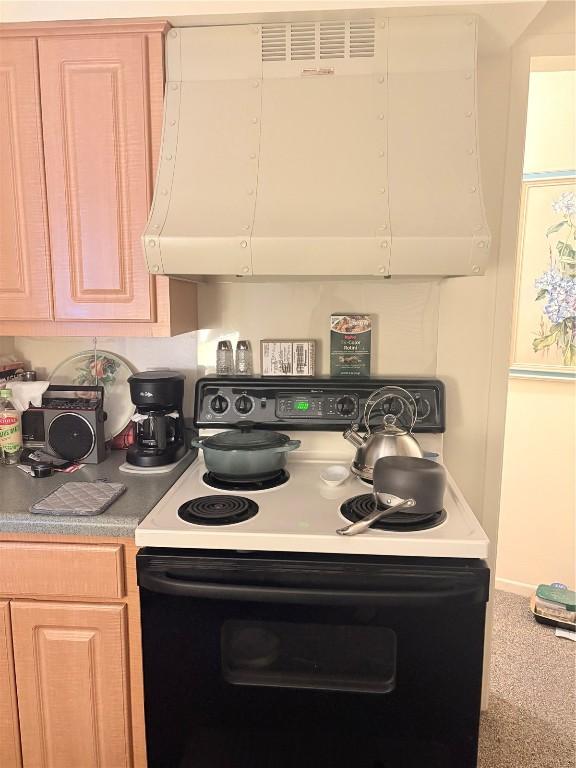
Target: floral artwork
[[556, 286], [98, 369]]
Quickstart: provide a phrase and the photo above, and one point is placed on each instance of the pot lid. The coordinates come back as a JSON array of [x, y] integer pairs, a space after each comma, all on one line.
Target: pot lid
[[390, 428], [246, 439]]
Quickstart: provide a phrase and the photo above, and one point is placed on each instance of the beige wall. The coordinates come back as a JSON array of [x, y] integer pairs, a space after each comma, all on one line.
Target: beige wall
[[538, 503], [538, 508], [467, 306], [475, 316], [6, 345], [550, 143], [49, 10], [404, 312]]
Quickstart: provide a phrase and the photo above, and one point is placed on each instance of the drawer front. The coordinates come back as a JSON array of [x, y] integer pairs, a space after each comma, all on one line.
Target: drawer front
[[61, 570]]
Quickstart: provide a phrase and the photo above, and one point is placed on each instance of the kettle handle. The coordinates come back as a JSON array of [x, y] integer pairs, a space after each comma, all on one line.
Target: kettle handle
[[382, 394]]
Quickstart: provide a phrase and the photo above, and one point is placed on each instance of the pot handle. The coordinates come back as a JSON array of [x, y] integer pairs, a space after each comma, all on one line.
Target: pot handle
[[197, 442], [291, 445], [366, 522], [383, 394]]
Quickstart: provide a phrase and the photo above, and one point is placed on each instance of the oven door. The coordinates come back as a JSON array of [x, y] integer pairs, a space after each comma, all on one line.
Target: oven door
[[291, 661]]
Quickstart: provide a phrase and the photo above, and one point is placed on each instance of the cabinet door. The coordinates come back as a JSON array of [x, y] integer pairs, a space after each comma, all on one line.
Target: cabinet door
[[24, 259], [72, 682], [97, 143], [9, 732]]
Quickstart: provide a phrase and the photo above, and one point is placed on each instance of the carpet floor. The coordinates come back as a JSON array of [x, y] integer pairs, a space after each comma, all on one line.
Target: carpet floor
[[531, 719]]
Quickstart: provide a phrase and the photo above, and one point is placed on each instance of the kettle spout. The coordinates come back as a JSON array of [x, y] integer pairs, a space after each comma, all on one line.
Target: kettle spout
[[352, 435]]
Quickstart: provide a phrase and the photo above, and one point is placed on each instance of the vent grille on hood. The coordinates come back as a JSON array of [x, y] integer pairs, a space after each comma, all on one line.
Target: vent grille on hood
[[361, 38], [302, 42], [332, 40], [307, 41], [274, 42]]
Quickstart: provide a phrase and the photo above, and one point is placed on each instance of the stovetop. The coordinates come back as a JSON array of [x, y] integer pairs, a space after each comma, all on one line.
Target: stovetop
[[302, 515]]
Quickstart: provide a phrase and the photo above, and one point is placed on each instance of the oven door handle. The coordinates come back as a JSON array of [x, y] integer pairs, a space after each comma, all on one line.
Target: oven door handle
[[168, 585]]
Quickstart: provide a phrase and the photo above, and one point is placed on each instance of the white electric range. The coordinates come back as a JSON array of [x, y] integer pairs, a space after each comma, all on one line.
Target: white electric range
[[302, 513], [269, 639]]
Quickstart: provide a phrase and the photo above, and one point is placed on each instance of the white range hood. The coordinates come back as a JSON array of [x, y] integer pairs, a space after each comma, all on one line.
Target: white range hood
[[320, 148]]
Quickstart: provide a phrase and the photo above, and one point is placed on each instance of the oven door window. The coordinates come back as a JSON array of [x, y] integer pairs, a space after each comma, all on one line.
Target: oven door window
[[319, 657]]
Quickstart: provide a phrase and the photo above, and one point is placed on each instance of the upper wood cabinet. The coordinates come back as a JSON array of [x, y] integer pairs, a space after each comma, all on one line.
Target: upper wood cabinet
[[80, 123], [95, 110], [24, 255]]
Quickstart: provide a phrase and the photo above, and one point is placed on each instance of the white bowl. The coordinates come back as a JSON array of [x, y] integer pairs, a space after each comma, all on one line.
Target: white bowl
[[335, 474]]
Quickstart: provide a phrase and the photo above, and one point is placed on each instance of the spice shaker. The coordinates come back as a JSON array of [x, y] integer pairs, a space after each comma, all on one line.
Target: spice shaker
[[243, 358], [224, 358]]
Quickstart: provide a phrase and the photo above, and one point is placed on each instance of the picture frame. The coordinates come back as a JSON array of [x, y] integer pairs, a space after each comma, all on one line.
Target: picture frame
[[540, 232]]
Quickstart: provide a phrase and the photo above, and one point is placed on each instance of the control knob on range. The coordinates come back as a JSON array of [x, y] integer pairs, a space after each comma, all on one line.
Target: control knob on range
[[423, 407], [345, 405], [219, 404], [243, 404]]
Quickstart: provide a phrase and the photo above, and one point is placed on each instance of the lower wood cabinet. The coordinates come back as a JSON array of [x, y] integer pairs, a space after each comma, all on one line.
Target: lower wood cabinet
[[10, 756], [71, 691], [72, 680]]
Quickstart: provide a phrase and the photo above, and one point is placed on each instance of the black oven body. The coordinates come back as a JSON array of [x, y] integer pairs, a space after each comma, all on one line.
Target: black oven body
[[281, 660]]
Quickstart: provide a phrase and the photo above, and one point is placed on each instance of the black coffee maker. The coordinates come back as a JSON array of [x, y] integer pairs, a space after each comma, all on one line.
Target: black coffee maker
[[158, 397]]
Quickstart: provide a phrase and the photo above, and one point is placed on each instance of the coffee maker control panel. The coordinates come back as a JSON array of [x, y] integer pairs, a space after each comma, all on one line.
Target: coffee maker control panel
[[317, 403]]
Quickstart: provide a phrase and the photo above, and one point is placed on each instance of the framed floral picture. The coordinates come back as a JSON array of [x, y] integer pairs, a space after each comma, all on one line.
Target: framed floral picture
[[544, 337]]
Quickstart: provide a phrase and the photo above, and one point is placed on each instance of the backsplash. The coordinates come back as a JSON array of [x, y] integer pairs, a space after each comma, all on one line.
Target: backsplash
[[404, 315], [179, 352], [6, 345], [404, 339]]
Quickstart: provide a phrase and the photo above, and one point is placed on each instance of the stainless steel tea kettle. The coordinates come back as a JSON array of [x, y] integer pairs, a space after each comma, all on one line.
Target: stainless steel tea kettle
[[388, 439]]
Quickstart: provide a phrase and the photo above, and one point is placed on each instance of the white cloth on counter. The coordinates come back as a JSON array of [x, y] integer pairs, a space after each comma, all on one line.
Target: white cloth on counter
[[139, 417], [26, 393]]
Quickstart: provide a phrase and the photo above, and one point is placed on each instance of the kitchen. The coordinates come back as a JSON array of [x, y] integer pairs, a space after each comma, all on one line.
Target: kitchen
[[441, 316]]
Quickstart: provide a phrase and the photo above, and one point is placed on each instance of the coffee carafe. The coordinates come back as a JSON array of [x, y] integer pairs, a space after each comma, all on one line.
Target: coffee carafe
[[159, 420]]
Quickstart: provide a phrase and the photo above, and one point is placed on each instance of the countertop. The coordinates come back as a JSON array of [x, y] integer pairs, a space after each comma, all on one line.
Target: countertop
[[18, 491]]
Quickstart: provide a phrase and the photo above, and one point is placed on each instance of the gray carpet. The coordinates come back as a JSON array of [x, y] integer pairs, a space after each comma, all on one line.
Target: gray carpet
[[531, 720]]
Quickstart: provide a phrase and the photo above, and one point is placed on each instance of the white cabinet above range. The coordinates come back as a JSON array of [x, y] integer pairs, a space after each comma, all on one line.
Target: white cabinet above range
[[320, 148]]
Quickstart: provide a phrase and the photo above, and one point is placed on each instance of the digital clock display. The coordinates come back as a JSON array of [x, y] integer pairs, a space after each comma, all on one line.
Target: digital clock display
[[301, 405]]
